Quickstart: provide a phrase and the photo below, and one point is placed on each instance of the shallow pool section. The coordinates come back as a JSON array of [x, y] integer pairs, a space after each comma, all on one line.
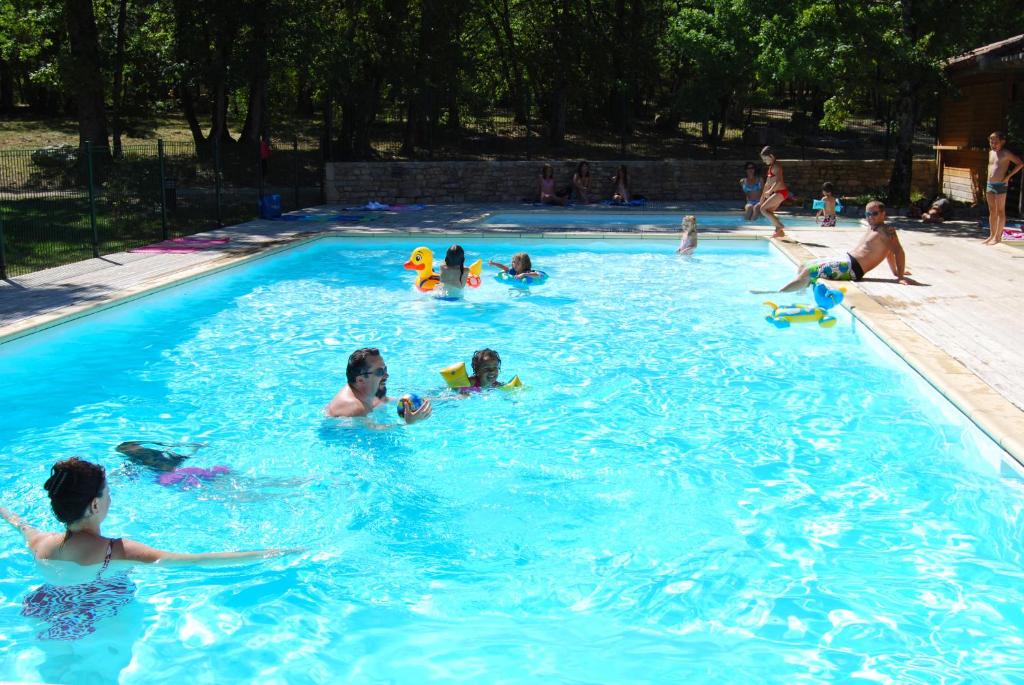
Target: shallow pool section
[[612, 218], [680, 493]]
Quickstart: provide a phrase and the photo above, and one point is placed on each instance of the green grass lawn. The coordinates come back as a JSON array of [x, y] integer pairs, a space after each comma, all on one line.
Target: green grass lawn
[[46, 231], [22, 132]]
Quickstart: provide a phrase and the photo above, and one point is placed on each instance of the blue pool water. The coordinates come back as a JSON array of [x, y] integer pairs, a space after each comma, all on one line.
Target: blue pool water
[[681, 492], [615, 217]]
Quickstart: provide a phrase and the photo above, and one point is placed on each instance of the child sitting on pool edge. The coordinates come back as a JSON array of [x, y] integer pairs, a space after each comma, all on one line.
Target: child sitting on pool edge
[[688, 243], [521, 266]]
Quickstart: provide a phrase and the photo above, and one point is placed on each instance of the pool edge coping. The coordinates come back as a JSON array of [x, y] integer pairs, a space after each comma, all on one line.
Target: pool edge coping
[[995, 415], [986, 408]]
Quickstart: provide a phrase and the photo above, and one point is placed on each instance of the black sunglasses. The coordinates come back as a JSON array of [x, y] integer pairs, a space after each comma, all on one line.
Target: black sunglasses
[[380, 373], [872, 213]]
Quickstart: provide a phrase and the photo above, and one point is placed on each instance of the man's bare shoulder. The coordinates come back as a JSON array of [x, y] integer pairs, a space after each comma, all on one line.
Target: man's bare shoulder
[[884, 230], [345, 404]]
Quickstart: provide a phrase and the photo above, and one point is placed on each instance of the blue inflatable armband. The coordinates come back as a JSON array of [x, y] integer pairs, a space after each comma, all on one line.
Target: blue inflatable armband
[[820, 204]]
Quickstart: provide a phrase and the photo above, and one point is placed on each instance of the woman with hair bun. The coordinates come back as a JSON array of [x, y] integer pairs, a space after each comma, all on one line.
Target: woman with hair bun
[[80, 499]]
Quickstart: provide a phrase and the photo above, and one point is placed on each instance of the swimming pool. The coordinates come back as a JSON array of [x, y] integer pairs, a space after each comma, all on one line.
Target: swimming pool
[[655, 219], [681, 492]]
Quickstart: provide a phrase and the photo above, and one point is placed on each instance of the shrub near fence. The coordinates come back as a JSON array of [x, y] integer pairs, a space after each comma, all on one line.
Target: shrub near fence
[[65, 204]]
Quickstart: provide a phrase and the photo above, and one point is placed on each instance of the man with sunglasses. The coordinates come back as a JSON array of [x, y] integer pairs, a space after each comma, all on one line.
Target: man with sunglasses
[[367, 388], [880, 243]]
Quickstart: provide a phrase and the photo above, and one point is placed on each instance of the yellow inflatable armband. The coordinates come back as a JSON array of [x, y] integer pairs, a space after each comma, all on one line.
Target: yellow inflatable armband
[[455, 376]]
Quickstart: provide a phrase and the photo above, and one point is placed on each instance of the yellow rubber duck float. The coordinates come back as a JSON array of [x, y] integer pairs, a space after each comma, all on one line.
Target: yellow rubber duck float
[[422, 262]]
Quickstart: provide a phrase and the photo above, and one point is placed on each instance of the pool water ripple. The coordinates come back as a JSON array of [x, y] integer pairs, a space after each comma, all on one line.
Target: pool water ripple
[[680, 492]]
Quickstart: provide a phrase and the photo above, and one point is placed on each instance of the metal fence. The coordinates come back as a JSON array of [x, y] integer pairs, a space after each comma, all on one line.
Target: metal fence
[[63, 204]]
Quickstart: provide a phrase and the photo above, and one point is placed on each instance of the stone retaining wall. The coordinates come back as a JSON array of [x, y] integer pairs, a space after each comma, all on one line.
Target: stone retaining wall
[[447, 182]]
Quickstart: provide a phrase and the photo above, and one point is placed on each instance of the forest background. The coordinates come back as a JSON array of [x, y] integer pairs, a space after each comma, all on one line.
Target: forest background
[[430, 70]]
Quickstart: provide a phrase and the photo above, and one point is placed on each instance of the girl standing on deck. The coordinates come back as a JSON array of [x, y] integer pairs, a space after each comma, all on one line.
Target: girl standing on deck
[[775, 191], [752, 185]]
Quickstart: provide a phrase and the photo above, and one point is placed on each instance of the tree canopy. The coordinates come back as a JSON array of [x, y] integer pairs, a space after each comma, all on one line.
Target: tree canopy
[[431, 63]]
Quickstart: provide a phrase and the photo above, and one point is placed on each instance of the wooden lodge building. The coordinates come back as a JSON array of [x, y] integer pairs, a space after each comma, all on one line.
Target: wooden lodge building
[[990, 81]]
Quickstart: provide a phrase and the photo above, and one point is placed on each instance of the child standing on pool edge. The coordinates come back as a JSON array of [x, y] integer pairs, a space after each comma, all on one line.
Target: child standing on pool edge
[[775, 191], [826, 216], [521, 267]]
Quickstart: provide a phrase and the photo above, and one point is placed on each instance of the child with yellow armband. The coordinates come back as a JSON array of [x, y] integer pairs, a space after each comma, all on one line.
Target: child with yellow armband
[[486, 365]]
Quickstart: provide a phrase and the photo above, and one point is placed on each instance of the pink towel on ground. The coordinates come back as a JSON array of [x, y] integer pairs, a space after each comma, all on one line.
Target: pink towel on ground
[[182, 245]]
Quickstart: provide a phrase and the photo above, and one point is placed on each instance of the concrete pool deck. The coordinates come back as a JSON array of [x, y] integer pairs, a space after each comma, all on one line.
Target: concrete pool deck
[[957, 328]]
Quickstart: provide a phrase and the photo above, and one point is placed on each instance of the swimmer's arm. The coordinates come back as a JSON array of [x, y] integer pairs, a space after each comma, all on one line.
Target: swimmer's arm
[[491, 262], [897, 258], [30, 532], [144, 554]]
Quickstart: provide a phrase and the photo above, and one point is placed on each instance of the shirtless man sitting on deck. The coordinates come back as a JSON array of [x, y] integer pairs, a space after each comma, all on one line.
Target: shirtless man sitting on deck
[[880, 243]]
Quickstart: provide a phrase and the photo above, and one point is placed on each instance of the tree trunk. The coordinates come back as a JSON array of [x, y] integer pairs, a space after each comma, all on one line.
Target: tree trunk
[[85, 74], [189, 108], [903, 164], [6, 87], [255, 119], [122, 20]]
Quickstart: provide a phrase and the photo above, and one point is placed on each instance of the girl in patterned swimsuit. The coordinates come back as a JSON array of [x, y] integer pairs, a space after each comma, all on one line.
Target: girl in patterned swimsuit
[[80, 498]]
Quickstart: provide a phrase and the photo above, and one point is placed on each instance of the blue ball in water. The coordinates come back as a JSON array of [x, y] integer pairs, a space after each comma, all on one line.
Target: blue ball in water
[[408, 402]]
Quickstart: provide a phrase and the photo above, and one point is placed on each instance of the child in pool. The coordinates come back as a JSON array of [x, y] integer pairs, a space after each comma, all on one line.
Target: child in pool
[[826, 216], [688, 242], [486, 365], [454, 272], [521, 266]]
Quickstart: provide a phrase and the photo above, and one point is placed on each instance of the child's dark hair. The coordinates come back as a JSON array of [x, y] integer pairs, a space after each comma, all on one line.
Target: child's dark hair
[[480, 356], [579, 168], [73, 484], [524, 261], [750, 165], [827, 187], [544, 171], [456, 257]]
